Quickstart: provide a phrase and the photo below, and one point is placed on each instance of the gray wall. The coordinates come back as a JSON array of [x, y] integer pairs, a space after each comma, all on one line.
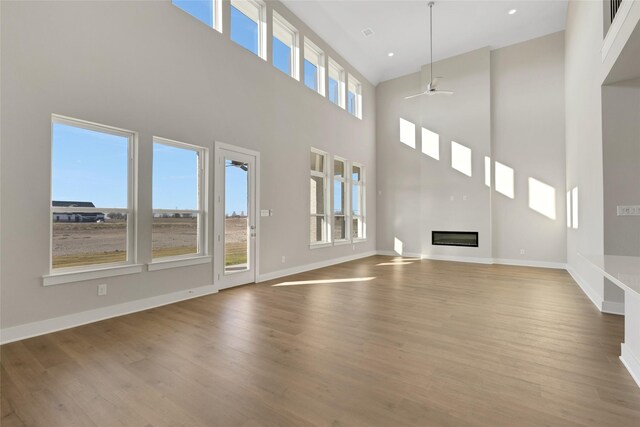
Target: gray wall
[[621, 152], [150, 67], [527, 126], [508, 105]]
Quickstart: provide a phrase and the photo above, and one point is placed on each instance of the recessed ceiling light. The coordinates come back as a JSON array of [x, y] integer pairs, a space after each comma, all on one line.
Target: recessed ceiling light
[[390, 54], [512, 11]]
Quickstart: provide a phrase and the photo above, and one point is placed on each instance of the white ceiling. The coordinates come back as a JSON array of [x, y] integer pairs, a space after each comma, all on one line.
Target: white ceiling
[[401, 27]]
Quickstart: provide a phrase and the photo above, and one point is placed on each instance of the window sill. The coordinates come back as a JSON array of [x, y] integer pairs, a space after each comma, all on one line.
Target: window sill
[[177, 262], [320, 245], [359, 240], [341, 242], [98, 273]]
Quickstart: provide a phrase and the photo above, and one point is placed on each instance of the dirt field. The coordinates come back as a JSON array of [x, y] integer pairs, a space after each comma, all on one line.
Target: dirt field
[[76, 244]]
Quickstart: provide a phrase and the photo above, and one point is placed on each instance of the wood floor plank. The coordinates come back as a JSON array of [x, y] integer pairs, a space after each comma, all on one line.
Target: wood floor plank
[[422, 343]]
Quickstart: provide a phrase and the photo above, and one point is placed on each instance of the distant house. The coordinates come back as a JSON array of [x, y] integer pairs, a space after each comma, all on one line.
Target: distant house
[[76, 216]]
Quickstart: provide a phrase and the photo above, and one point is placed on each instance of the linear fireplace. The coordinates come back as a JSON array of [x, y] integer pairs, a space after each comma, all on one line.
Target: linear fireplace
[[455, 238]]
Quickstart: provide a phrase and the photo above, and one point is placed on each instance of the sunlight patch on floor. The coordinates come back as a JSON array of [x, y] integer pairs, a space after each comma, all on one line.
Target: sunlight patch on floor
[[326, 281]]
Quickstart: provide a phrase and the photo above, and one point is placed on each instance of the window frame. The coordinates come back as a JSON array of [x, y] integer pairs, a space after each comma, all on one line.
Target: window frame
[[242, 7], [357, 112], [342, 103], [84, 272], [327, 229], [310, 46], [278, 21], [201, 211], [346, 208], [362, 202], [216, 19]]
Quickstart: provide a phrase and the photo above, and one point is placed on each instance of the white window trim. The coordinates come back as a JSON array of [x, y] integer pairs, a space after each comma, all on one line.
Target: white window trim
[[244, 6], [163, 264], [327, 230], [363, 201], [278, 20], [97, 273], [86, 272], [342, 102], [321, 76], [217, 18], [358, 92], [346, 207], [201, 210]]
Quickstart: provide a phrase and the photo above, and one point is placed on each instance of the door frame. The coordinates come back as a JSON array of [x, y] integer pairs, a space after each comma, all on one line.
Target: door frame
[[218, 227]]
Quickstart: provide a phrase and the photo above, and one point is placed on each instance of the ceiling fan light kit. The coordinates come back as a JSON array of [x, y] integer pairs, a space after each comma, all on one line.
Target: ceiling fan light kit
[[432, 86]]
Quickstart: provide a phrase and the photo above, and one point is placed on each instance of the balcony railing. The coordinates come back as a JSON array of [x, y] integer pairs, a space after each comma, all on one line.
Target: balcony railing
[[614, 5]]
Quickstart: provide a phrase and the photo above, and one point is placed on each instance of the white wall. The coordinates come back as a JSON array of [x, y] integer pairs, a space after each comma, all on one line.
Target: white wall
[[508, 105], [583, 115], [527, 127], [152, 68], [419, 194]]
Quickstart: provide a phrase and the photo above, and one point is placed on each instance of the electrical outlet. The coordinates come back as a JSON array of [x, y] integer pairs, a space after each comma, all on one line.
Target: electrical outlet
[[102, 290], [283, 259], [629, 210], [521, 251]]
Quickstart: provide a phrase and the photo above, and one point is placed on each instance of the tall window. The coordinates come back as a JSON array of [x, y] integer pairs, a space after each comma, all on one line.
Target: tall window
[[354, 97], [92, 187], [336, 83], [207, 11], [339, 200], [318, 193], [248, 26], [178, 194], [285, 46], [358, 230], [313, 67]]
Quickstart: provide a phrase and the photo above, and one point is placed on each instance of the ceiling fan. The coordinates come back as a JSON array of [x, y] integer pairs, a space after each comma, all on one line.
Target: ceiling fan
[[432, 87]]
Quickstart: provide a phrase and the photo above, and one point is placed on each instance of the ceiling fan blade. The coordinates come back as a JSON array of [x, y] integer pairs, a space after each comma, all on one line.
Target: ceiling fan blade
[[442, 92], [416, 95]]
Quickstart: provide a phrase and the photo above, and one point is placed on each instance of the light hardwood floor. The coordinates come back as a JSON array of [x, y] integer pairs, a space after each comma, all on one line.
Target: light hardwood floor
[[424, 343]]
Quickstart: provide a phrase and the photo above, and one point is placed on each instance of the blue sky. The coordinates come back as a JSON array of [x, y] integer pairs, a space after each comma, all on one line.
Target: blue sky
[[235, 189], [175, 178], [244, 31], [90, 166], [310, 75], [201, 9], [333, 91], [351, 102], [281, 56]]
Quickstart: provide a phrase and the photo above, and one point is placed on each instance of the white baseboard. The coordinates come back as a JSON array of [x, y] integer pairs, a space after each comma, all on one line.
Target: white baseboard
[[631, 362], [42, 327], [588, 290], [530, 263], [307, 267], [612, 307], [477, 260]]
